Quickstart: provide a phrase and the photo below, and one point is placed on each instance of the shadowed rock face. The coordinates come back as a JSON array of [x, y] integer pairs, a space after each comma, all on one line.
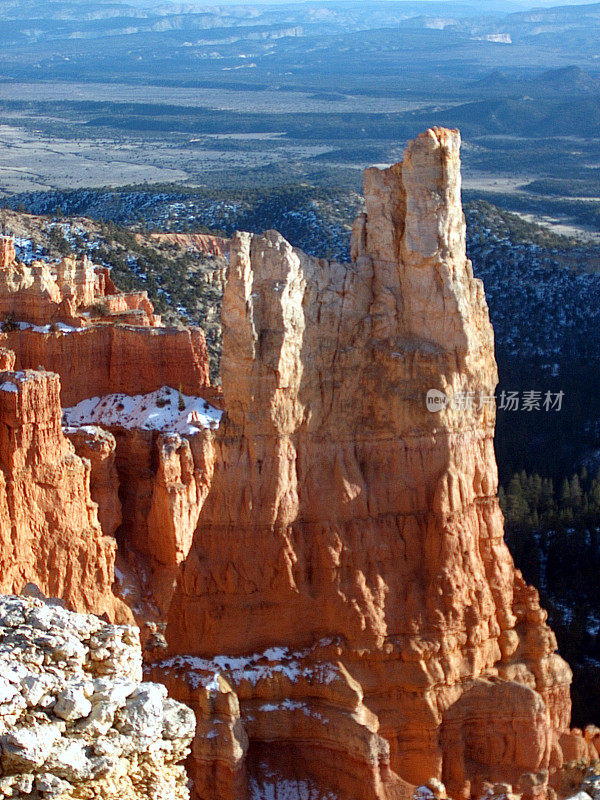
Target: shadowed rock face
[[349, 557]]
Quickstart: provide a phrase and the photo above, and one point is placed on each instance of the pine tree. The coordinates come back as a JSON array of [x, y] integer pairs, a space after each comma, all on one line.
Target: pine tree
[[594, 496], [516, 503], [502, 499], [565, 495], [547, 505], [576, 493]]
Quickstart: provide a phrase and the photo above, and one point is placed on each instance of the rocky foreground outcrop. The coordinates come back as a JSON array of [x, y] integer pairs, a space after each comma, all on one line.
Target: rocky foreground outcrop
[[323, 569], [75, 719]]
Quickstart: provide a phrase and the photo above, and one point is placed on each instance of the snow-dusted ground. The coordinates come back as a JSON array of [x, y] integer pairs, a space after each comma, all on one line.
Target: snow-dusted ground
[[26, 250], [274, 663], [55, 327], [275, 787], [165, 410]]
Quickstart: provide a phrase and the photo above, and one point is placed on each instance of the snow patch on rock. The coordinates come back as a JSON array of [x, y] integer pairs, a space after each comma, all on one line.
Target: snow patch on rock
[[274, 662], [165, 410]]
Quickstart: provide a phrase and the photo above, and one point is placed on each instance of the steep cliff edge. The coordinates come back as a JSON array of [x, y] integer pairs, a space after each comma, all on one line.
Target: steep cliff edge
[[349, 615], [49, 529]]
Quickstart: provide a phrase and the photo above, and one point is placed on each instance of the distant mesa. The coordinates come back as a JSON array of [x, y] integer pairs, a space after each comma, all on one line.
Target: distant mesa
[[571, 79]]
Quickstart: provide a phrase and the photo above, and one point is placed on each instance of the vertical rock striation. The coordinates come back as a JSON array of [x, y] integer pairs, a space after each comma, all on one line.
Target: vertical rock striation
[[349, 619], [49, 530], [163, 480], [102, 359]]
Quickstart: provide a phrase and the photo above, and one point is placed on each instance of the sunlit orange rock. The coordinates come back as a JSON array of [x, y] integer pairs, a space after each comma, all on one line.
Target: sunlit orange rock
[[98, 447], [348, 578], [7, 359], [49, 530], [103, 359]]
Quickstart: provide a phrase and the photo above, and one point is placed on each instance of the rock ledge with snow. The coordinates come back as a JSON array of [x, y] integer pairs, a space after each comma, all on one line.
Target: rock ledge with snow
[[166, 410]]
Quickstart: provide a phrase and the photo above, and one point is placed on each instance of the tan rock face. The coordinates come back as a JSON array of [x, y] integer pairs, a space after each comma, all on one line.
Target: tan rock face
[[42, 293], [7, 251], [7, 359], [100, 360], [98, 447], [49, 530], [348, 578], [200, 242], [68, 317]]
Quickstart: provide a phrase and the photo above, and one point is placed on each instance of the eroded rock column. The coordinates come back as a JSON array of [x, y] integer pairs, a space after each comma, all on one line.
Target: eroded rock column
[[349, 601]]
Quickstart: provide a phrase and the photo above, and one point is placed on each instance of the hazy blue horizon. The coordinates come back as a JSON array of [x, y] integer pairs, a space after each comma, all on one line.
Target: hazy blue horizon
[[484, 3], [510, 4]]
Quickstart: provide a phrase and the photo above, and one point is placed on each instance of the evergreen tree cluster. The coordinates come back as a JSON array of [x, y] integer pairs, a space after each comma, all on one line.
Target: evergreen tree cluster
[[554, 537], [533, 501]]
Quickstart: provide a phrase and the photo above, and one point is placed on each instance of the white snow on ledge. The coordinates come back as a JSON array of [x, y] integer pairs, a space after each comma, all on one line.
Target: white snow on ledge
[[276, 662], [164, 410], [55, 327]]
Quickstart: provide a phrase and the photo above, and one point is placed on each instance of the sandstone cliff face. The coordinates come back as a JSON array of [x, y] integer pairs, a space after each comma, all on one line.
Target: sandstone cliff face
[[102, 359], [200, 242], [69, 317], [163, 480], [349, 616], [75, 719], [49, 530], [98, 447]]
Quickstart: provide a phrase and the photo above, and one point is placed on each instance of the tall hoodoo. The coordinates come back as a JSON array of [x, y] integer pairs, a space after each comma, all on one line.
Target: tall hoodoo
[[349, 614]]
